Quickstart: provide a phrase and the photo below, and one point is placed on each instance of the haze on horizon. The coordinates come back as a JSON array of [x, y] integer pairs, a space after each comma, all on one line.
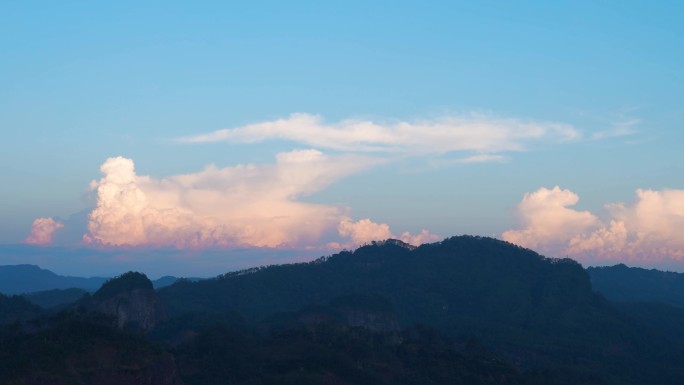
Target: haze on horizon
[[203, 137]]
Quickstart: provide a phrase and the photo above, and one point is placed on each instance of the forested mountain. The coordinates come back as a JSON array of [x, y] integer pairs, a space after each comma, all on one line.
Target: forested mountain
[[535, 312], [629, 284], [55, 298], [17, 279], [467, 310]]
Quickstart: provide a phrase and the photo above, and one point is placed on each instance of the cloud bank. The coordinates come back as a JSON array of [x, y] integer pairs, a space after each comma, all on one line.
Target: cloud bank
[[244, 205], [42, 231], [477, 133], [646, 230]]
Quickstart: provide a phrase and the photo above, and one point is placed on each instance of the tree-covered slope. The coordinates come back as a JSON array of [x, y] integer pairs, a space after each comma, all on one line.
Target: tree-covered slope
[[628, 284], [537, 312]]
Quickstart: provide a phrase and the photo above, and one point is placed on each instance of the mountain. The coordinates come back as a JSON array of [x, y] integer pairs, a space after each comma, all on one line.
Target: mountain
[[76, 348], [17, 279], [17, 309], [631, 284], [534, 311], [130, 298], [56, 298], [98, 341], [466, 310], [20, 279]]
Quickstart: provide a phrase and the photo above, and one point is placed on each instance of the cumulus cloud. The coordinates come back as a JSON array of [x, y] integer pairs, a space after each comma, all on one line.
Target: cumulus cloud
[[475, 133], [244, 205], [648, 229], [547, 221], [365, 231], [42, 231]]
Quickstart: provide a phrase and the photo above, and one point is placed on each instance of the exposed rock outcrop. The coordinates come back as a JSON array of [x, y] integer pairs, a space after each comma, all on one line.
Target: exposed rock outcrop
[[131, 299]]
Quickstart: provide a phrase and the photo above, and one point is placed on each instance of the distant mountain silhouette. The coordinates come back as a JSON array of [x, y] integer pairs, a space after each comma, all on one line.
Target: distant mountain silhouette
[[629, 284], [19, 279], [56, 298]]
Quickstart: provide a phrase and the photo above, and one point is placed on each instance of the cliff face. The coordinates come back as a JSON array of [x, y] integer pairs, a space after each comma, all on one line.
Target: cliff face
[[138, 307], [131, 299]]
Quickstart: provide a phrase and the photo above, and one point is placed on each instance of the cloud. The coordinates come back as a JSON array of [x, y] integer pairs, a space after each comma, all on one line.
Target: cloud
[[418, 239], [243, 205], [647, 230], [482, 158], [42, 231], [547, 221], [624, 127], [365, 231], [476, 133]]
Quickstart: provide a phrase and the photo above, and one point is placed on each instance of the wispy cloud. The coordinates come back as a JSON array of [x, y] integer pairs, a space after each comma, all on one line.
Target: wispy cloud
[[646, 230], [482, 158], [624, 127], [473, 133]]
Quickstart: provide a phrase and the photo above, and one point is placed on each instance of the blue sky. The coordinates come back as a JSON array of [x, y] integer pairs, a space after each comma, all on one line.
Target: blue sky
[[85, 82]]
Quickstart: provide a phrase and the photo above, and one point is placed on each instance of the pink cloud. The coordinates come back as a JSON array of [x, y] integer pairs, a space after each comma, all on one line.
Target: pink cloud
[[42, 231], [365, 231], [547, 221], [244, 205], [649, 229]]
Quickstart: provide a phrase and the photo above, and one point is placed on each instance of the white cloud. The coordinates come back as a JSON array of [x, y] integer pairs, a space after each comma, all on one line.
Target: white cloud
[[619, 129], [418, 239], [648, 229], [42, 231], [547, 221], [244, 205], [482, 158], [365, 231], [475, 133]]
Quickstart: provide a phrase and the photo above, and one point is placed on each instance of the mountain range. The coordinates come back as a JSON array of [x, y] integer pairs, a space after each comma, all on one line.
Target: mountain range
[[468, 310]]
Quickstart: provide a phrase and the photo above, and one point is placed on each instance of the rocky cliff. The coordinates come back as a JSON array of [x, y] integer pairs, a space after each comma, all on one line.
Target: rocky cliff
[[131, 299]]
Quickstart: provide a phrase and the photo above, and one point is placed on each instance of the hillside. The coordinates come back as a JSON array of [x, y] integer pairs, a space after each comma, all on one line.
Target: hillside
[[18, 279], [631, 284], [536, 312], [467, 310]]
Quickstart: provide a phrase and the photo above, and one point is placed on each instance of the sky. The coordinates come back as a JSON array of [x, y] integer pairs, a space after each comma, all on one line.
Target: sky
[[194, 138]]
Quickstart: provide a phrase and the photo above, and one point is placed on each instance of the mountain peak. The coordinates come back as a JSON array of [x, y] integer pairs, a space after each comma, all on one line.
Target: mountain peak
[[130, 298]]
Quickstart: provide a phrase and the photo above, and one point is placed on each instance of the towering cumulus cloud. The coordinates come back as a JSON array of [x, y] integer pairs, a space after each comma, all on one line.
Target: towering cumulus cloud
[[648, 229], [245, 205], [42, 231]]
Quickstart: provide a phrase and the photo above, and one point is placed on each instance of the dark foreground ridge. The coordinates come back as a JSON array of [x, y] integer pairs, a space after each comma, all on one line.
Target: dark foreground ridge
[[467, 310]]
